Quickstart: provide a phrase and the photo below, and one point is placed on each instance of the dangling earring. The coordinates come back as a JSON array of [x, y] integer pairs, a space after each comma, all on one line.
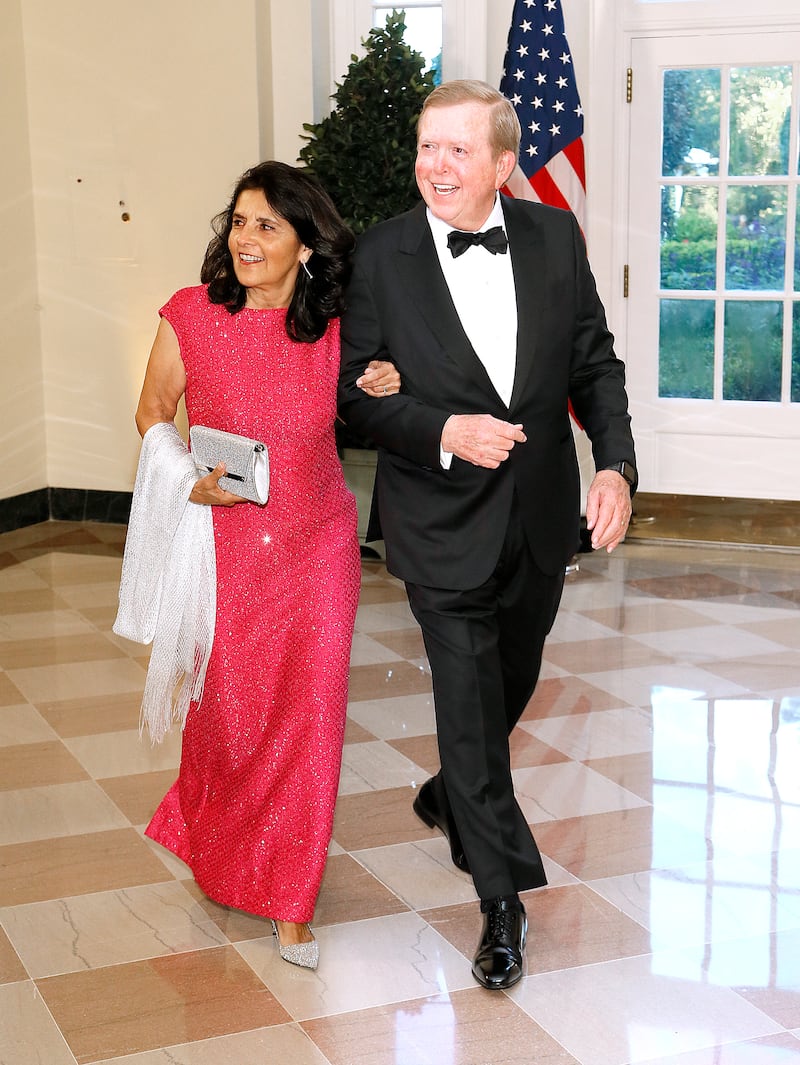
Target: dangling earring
[[304, 264]]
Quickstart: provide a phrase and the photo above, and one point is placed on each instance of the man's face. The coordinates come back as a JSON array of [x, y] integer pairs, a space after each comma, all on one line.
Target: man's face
[[457, 170]]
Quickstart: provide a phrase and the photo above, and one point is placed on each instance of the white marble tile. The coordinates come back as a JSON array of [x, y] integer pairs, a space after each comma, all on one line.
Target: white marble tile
[[284, 1044], [28, 1034], [39, 625], [56, 810], [395, 718], [180, 870], [599, 734], [777, 1050], [630, 1011], [731, 897], [108, 928], [420, 873], [362, 964], [23, 724], [74, 679], [570, 626], [730, 613], [568, 789], [375, 765], [638, 686], [117, 754], [380, 617], [366, 651], [708, 642]]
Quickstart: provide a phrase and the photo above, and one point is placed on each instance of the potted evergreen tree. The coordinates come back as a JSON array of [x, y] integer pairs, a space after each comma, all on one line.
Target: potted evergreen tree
[[363, 154]]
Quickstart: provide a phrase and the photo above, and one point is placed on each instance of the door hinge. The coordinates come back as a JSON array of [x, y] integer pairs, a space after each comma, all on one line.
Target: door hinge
[[625, 279], [629, 86]]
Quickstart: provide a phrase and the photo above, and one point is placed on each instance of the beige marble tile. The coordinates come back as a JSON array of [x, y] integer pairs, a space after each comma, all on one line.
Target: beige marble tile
[[350, 892], [119, 753], [387, 680], [31, 765], [9, 692], [422, 750], [56, 650], [376, 819], [67, 568], [86, 715], [43, 625], [766, 672], [75, 865], [367, 651], [108, 928], [395, 718], [138, 794], [568, 789], [362, 964], [783, 630], [379, 617], [694, 585], [599, 734], [56, 810], [653, 616], [285, 1044], [75, 679], [598, 656], [634, 1009], [421, 874], [33, 600], [28, 1034], [23, 724], [381, 592], [782, 1049], [624, 841], [374, 766], [11, 968], [462, 1028], [557, 696], [641, 686], [634, 772], [408, 643], [711, 643], [128, 1009]]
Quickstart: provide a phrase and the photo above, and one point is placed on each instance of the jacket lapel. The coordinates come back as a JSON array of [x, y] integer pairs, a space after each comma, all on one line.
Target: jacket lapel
[[526, 247], [418, 266]]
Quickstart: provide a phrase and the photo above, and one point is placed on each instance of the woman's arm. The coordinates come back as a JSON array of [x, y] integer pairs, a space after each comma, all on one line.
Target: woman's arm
[[164, 384]]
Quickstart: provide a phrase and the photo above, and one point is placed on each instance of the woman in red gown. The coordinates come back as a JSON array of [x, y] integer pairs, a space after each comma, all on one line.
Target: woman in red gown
[[255, 351]]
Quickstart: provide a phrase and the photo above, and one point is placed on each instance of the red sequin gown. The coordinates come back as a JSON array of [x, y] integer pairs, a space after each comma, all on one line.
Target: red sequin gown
[[251, 812]]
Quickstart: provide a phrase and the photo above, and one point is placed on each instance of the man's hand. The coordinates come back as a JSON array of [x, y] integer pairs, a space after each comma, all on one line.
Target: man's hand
[[481, 439], [608, 509]]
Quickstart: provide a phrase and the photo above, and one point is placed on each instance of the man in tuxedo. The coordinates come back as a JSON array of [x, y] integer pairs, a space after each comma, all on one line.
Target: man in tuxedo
[[488, 308]]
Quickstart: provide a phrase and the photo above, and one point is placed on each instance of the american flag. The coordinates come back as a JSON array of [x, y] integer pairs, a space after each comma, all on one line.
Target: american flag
[[539, 80]]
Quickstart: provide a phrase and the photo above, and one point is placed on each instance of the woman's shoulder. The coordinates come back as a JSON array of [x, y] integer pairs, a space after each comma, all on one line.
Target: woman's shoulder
[[191, 298]]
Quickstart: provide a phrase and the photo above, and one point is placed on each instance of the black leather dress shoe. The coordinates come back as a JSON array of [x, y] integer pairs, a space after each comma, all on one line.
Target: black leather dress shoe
[[498, 962], [427, 809]]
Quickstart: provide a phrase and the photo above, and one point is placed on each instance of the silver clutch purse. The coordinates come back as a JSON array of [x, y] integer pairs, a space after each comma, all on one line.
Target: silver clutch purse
[[246, 461]]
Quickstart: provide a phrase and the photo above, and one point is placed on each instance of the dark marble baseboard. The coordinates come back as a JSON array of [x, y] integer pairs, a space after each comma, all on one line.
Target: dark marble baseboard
[[64, 504]]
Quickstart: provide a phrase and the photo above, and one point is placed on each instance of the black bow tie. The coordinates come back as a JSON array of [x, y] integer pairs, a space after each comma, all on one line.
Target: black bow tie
[[494, 240]]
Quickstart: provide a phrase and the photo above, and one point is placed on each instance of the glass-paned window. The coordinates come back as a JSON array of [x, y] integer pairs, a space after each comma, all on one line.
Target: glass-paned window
[[689, 236], [730, 256], [760, 109], [686, 349], [755, 243], [752, 351], [423, 29]]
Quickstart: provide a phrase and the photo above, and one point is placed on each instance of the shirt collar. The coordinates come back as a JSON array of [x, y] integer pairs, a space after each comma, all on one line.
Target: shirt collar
[[440, 229]]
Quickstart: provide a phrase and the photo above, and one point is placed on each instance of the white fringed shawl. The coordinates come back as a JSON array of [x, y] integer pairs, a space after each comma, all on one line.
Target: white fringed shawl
[[167, 594]]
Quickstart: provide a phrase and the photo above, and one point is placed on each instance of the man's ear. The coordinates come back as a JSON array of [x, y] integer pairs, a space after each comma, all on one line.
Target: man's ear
[[505, 165]]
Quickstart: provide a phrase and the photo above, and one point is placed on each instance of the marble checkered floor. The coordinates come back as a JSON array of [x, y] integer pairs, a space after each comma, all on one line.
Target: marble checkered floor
[[659, 763]]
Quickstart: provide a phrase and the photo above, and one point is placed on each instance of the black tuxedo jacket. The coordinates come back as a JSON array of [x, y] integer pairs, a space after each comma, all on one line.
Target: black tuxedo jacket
[[445, 528]]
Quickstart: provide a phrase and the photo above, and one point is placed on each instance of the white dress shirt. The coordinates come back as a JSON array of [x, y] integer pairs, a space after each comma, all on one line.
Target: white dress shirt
[[482, 288]]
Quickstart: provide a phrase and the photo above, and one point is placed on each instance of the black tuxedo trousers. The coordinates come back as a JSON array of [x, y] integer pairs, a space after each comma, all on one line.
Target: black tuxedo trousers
[[485, 646]]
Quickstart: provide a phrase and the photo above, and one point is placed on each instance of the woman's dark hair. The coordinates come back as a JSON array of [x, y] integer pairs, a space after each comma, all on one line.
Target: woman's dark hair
[[299, 199]]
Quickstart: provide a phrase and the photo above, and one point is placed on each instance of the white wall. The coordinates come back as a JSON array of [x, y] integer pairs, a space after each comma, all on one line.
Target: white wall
[[153, 110], [22, 427]]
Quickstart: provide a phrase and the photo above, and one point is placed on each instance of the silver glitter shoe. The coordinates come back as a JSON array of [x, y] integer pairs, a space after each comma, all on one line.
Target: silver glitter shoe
[[304, 954]]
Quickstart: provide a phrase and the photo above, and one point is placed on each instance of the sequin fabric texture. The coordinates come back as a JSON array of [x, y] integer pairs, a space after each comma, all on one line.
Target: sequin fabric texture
[[252, 810]]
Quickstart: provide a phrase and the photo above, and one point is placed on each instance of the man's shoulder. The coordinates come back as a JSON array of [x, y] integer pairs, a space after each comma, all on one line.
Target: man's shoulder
[[533, 211], [392, 230]]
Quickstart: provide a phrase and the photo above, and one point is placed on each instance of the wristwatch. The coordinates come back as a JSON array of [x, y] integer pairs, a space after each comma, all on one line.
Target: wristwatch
[[627, 470]]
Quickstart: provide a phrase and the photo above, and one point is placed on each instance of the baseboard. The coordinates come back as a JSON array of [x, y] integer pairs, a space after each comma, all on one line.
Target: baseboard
[[64, 504]]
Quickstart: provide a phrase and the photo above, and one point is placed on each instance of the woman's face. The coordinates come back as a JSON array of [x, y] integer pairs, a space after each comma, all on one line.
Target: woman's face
[[266, 251]]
